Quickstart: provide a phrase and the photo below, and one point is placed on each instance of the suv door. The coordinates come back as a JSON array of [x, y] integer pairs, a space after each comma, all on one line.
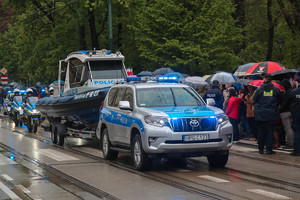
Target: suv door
[[125, 117], [116, 127], [108, 116]]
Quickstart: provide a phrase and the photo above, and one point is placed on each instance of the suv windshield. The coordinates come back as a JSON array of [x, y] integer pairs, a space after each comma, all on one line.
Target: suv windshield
[[107, 69], [159, 97]]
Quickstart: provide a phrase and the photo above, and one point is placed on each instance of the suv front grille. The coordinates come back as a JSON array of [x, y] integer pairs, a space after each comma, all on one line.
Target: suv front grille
[[193, 124]]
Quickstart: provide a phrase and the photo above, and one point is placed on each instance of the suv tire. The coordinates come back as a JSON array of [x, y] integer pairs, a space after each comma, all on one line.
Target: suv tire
[[108, 154], [140, 159], [218, 160]]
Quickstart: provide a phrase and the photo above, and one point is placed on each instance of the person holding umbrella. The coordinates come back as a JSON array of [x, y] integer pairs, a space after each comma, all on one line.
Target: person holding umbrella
[[295, 109], [266, 100]]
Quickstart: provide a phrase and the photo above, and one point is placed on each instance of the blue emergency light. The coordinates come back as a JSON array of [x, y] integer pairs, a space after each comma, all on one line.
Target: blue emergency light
[[22, 91], [133, 79], [43, 90], [168, 79]]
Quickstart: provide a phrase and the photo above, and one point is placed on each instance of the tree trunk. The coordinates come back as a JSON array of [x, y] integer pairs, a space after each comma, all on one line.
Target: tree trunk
[[92, 23], [82, 42], [271, 30], [239, 16]]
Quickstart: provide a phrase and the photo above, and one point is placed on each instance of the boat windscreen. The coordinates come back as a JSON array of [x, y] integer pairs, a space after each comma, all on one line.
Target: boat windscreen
[[107, 69]]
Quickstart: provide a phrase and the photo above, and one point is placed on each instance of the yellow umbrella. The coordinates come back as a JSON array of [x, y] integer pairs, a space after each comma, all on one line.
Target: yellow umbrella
[[206, 76]]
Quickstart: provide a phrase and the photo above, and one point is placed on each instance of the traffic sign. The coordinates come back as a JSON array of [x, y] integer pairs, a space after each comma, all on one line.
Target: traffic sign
[[4, 78], [3, 70]]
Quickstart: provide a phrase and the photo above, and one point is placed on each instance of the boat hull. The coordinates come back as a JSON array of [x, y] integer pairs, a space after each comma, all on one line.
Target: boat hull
[[81, 107]]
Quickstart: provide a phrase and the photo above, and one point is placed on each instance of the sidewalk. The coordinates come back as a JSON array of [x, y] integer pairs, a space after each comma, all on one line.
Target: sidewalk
[[282, 148]]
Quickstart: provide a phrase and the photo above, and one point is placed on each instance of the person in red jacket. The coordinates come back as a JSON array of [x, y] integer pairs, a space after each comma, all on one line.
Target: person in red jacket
[[233, 113]]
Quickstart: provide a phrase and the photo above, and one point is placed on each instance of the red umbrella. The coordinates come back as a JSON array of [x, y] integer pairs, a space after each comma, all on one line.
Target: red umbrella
[[267, 67], [258, 83]]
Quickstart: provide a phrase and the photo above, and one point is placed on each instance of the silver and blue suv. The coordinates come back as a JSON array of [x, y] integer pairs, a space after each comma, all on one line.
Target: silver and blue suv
[[152, 120]]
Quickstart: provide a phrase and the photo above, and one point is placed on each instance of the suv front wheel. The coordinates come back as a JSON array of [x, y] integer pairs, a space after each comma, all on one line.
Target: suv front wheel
[[218, 160], [108, 154], [140, 158]]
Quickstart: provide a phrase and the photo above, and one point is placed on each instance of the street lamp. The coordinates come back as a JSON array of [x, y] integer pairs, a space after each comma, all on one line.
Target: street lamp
[[280, 43]]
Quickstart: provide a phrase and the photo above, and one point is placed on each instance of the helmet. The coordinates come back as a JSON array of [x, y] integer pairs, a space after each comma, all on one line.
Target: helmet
[[29, 90], [16, 90], [51, 89]]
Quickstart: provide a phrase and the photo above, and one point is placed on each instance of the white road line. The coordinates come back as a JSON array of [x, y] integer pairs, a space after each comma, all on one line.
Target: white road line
[[21, 187], [214, 179], [268, 194], [8, 192], [7, 177], [56, 155]]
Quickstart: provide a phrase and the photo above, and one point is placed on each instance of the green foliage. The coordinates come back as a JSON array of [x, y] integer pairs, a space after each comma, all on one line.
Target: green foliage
[[196, 37]]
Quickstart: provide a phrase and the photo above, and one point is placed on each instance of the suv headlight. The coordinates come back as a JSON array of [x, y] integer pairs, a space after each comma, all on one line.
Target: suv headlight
[[156, 120], [222, 118]]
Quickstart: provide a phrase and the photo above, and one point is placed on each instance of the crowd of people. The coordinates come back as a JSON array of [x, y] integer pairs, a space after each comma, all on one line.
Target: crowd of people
[[263, 114]]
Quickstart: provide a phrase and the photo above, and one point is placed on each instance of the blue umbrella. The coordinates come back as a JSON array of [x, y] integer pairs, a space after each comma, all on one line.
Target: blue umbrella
[[174, 74]]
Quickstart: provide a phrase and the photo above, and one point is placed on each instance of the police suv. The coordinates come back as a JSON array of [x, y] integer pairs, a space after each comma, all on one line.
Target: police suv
[[151, 120]]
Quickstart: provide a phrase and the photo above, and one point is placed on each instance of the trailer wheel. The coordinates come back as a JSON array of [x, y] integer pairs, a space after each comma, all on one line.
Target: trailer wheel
[[60, 139], [108, 154], [35, 126], [60, 131], [53, 134]]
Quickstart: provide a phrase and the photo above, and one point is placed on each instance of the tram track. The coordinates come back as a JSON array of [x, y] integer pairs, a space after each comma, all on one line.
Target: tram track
[[163, 177]]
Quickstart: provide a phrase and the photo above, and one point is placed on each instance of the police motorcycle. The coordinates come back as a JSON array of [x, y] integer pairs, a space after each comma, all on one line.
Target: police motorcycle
[[32, 117], [7, 105], [17, 111]]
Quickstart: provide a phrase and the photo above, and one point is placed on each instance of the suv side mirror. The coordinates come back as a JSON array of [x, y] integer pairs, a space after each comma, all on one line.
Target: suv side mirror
[[210, 102], [124, 105]]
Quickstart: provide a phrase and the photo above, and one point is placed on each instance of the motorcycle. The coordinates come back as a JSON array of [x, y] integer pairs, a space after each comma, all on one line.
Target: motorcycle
[[17, 111], [32, 117], [6, 107]]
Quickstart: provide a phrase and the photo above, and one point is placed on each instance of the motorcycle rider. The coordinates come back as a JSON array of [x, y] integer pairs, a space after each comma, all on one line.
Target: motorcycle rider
[[12, 95], [29, 93], [51, 90]]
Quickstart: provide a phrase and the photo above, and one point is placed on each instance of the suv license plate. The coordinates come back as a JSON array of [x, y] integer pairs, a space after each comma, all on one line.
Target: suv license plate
[[200, 137]]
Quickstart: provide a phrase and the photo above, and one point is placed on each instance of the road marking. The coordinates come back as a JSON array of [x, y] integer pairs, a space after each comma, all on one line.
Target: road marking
[[7, 191], [21, 187], [56, 155], [7, 177], [214, 179], [268, 194]]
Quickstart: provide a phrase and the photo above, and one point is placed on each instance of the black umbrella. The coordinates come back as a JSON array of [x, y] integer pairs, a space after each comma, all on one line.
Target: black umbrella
[[244, 81], [286, 72], [241, 71]]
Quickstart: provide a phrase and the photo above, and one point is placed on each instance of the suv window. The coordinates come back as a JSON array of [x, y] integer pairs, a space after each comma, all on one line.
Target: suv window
[[120, 95], [111, 96], [129, 96], [159, 97]]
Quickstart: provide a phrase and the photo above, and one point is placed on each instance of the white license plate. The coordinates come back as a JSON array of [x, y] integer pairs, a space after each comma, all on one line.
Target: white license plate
[[200, 137]]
